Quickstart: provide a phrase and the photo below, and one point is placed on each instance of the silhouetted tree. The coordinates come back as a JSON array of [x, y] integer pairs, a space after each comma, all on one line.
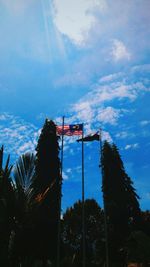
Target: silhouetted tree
[[21, 243], [6, 208], [138, 244], [72, 235], [121, 203], [146, 222], [138, 248], [47, 165], [48, 180]]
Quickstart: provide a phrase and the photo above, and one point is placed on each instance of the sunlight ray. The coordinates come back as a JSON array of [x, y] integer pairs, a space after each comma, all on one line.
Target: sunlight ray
[[54, 38]]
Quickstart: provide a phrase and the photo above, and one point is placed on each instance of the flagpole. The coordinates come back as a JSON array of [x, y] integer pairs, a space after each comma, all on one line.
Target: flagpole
[[105, 215], [83, 204], [59, 201]]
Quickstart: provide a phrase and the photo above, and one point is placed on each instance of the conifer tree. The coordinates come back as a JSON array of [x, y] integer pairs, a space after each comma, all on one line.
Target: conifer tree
[[47, 167], [48, 183], [121, 202], [47, 162]]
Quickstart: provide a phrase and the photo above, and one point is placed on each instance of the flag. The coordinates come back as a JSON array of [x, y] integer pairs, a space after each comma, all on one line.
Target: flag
[[73, 129], [91, 137]]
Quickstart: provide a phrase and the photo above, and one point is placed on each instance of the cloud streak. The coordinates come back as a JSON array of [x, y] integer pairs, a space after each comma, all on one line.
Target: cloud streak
[[132, 146]]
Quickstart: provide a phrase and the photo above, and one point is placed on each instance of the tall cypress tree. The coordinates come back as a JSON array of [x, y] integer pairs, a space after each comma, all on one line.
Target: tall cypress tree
[[47, 167], [121, 202], [48, 183]]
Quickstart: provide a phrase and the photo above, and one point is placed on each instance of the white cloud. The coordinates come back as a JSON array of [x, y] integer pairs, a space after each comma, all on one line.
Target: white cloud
[[65, 176], [106, 136], [84, 110], [108, 115], [2, 117], [5, 116], [145, 122], [110, 77], [26, 147], [67, 173], [99, 105], [75, 18], [119, 51], [17, 135], [117, 90], [132, 146], [88, 106], [68, 170]]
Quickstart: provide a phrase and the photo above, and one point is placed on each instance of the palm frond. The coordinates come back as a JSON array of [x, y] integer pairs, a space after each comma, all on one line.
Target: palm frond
[[5, 171], [23, 177], [24, 172]]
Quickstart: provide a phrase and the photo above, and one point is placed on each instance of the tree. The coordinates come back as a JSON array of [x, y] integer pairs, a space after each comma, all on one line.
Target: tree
[[26, 239], [138, 248], [48, 179], [22, 243], [72, 235], [146, 222], [121, 202], [47, 165], [6, 207]]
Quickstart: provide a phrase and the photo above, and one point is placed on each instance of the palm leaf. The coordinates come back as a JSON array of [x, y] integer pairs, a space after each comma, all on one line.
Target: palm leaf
[[24, 172], [23, 177], [5, 181]]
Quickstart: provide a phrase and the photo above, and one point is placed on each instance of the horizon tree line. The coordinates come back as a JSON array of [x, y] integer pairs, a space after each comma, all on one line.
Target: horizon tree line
[[29, 212]]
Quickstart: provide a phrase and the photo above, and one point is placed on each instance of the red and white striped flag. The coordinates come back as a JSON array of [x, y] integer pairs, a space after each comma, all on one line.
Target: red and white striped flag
[[70, 130]]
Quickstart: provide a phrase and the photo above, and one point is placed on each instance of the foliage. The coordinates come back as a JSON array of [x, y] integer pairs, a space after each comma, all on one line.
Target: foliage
[[72, 234], [6, 207], [23, 177], [146, 222], [29, 212], [35, 188], [47, 176], [47, 165], [121, 202], [138, 249], [21, 238]]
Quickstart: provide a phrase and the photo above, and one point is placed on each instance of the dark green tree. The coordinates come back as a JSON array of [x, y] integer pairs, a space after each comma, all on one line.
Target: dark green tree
[[48, 180], [121, 203], [72, 235], [6, 207], [47, 165], [138, 244], [138, 248], [25, 240], [146, 222], [21, 243]]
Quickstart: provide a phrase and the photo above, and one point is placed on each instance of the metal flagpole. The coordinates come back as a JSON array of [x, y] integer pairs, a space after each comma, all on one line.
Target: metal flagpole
[[105, 215], [83, 202], [59, 202]]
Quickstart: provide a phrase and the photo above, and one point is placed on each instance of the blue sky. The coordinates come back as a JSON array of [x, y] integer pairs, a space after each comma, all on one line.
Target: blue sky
[[87, 60]]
